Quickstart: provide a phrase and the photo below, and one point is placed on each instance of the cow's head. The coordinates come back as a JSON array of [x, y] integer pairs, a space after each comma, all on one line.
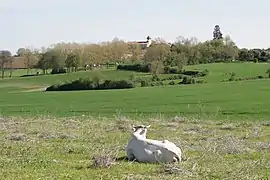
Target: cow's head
[[140, 129]]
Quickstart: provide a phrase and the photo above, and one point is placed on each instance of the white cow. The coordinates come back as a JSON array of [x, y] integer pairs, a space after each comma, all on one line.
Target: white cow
[[149, 150]]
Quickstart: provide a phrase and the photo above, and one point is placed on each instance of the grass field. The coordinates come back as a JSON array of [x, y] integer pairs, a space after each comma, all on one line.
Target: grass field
[[232, 100], [237, 100], [222, 127], [64, 148]]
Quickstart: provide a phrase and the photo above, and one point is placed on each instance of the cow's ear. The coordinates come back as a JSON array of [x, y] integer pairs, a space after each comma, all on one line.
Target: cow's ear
[[148, 126]]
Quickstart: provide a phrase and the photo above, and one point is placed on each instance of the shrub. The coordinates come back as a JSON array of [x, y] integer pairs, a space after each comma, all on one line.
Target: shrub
[[200, 81], [196, 73], [122, 84], [58, 71], [31, 75], [255, 60], [232, 76], [172, 83], [155, 78], [204, 73], [144, 83], [188, 80], [173, 77], [157, 83], [268, 72], [87, 84], [134, 67], [132, 77], [172, 70]]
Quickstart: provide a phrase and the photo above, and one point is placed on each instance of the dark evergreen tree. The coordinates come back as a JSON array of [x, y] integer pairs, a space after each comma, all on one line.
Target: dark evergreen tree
[[217, 33]]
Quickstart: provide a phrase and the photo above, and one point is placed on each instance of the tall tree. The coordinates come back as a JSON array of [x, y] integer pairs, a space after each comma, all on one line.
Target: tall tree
[[5, 58], [156, 55], [230, 49], [217, 33], [29, 57]]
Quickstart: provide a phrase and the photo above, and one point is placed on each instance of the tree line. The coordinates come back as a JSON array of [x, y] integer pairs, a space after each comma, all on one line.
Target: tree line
[[184, 51]]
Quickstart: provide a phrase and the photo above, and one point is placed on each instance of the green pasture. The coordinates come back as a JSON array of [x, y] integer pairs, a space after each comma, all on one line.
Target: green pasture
[[220, 71], [47, 80], [217, 100], [58, 135]]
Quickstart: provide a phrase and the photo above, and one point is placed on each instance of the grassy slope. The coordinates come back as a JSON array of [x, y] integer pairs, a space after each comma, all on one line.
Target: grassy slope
[[49, 148], [47, 80], [219, 71], [232, 100], [235, 100]]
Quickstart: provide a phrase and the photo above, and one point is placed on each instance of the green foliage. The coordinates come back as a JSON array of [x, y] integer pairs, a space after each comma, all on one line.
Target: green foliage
[[160, 57], [195, 73], [233, 78], [95, 84], [134, 67], [191, 80], [145, 83], [132, 77], [255, 60], [188, 80], [157, 83], [157, 80], [172, 70], [5, 58], [172, 83], [268, 72]]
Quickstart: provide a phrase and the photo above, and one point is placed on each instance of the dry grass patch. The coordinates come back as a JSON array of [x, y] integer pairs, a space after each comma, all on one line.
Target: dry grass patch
[[91, 148]]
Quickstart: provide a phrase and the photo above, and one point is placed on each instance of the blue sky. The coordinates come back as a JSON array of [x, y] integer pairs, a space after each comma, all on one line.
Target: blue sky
[[39, 23]]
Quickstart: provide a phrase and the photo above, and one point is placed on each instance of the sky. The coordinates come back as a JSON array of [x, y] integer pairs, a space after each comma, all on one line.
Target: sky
[[38, 23]]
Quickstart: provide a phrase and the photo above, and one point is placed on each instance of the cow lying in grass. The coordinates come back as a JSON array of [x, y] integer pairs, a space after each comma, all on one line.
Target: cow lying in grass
[[151, 151]]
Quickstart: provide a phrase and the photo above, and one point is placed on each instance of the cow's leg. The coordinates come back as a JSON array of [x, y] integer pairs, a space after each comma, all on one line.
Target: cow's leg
[[175, 159], [130, 155]]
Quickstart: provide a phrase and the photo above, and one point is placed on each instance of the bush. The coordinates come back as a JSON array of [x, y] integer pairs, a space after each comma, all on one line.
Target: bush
[[87, 84], [145, 83], [31, 75], [196, 73], [172, 70], [172, 83], [155, 78], [268, 72], [134, 67], [200, 81], [132, 77], [255, 60], [174, 77], [157, 83], [188, 80], [233, 78], [204, 73], [58, 71]]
